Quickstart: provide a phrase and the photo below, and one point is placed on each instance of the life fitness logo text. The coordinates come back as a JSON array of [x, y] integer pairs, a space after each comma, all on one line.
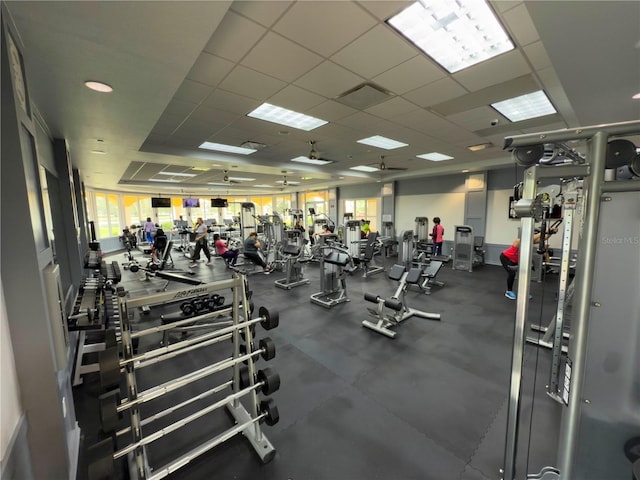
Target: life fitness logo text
[[621, 240], [190, 293]]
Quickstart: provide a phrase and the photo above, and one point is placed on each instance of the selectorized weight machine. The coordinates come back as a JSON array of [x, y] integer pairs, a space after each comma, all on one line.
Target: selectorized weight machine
[[335, 264]]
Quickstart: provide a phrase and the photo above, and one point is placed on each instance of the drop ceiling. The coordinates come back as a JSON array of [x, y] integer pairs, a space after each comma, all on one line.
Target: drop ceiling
[[188, 72]]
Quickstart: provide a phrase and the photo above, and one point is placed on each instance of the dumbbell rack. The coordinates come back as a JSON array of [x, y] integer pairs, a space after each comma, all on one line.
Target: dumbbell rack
[[246, 381]]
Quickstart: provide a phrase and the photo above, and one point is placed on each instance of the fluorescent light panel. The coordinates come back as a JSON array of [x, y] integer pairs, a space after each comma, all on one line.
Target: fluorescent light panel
[[524, 107], [289, 182], [382, 142], [364, 168], [435, 156], [455, 34], [479, 146], [221, 147], [312, 161], [176, 174], [283, 116], [263, 186], [164, 180]]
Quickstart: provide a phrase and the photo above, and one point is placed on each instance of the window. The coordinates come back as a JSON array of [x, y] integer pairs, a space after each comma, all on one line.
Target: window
[[107, 216], [363, 209]]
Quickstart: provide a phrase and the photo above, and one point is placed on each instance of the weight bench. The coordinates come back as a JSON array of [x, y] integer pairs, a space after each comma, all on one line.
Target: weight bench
[[397, 303], [429, 274]]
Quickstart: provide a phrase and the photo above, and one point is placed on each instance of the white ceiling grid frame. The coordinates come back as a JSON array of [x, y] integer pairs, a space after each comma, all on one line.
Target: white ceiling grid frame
[[329, 79], [409, 75], [252, 84], [234, 37], [436, 92], [210, 69]]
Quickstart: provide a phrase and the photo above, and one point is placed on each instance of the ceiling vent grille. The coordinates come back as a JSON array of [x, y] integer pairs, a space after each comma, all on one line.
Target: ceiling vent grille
[[363, 96]]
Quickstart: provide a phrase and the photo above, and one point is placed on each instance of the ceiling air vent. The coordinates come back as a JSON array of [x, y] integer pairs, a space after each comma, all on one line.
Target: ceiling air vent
[[363, 96]]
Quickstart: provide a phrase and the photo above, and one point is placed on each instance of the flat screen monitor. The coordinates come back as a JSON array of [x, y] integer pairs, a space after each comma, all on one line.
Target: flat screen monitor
[[160, 202], [219, 202], [190, 202]]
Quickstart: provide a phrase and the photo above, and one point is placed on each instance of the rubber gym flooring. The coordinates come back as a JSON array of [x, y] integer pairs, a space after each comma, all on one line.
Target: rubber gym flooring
[[354, 404]]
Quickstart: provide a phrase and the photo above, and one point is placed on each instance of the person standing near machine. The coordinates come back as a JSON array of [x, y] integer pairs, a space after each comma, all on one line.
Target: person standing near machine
[[201, 243], [149, 227], [437, 234], [251, 246]]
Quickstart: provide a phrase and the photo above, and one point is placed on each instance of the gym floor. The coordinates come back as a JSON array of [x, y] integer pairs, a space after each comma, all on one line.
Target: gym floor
[[354, 404]]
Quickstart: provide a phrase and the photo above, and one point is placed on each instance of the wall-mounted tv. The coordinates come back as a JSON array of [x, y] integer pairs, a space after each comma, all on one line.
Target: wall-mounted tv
[[190, 202], [219, 202], [160, 202]]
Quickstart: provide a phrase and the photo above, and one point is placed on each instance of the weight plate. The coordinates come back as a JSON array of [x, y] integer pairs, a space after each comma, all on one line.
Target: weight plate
[[268, 348], [269, 407], [619, 152], [109, 367], [270, 380]]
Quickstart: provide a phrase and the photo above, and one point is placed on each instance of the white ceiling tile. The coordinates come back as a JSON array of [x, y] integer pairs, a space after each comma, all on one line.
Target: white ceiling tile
[[331, 111], [391, 108], [192, 92], [209, 69], [234, 37], [360, 121], [250, 83], [390, 50], [329, 80], [496, 70], [521, 26], [504, 5], [475, 119], [537, 55], [179, 108], [280, 58], [322, 26], [383, 10], [231, 102], [436, 92], [167, 123], [213, 116], [260, 11], [409, 75], [296, 98]]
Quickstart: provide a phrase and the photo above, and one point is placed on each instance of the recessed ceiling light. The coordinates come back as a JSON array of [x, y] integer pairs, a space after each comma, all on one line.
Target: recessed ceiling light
[[312, 161], [263, 186], [202, 169], [176, 174], [636, 96], [221, 147], [479, 146], [99, 152], [98, 86], [364, 168], [306, 178], [465, 171], [455, 34], [435, 156], [524, 107], [382, 142], [283, 116], [164, 180]]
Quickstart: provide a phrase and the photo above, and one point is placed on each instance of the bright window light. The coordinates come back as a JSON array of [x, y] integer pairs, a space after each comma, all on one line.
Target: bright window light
[[311, 161], [435, 156], [164, 180], [364, 168], [455, 34], [241, 179], [382, 142], [527, 106], [221, 147], [176, 174], [282, 116]]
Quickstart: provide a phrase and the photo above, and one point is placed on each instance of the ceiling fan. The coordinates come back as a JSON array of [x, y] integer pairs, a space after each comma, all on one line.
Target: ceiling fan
[[226, 178], [383, 166], [315, 155]]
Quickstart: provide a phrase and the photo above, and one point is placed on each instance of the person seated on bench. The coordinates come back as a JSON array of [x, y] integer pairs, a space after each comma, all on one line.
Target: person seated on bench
[[230, 256], [251, 246], [159, 245]]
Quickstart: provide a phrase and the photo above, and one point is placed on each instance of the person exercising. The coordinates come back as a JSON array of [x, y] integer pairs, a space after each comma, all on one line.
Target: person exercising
[[149, 227], [230, 256], [509, 260], [201, 243], [251, 246]]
